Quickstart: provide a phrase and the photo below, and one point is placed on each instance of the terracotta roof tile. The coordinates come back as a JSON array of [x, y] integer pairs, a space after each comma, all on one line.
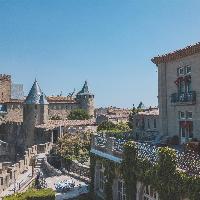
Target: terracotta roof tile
[[178, 54], [61, 99], [56, 123]]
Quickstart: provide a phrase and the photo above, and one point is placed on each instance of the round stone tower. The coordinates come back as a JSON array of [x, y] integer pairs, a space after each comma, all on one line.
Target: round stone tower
[[35, 112], [86, 99]]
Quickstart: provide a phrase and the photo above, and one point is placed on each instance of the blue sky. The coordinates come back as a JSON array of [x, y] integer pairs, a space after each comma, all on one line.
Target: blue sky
[[108, 42]]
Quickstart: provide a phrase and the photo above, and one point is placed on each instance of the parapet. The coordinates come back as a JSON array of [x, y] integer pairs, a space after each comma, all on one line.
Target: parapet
[[5, 77]]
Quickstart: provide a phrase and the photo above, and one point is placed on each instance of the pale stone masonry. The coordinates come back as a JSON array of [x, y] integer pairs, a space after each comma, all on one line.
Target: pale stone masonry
[[146, 124], [179, 92], [10, 172]]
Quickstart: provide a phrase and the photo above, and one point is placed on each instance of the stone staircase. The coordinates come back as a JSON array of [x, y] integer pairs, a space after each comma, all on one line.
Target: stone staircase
[[39, 163]]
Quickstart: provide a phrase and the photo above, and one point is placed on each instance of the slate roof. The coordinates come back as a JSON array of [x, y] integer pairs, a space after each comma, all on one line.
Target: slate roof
[[84, 90], [36, 95], [43, 99]]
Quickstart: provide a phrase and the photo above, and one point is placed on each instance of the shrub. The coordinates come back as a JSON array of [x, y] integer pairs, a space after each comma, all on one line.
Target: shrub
[[114, 128], [44, 194], [55, 117], [33, 194]]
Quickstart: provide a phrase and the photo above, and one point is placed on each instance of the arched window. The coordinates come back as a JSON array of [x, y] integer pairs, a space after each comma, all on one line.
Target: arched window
[[150, 193]]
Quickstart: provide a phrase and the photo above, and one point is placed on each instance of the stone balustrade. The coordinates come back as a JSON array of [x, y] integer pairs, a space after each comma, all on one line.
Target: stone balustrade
[[112, 148]]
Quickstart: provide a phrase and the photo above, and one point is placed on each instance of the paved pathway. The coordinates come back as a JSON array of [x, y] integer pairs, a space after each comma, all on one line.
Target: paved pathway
[[80, 187]]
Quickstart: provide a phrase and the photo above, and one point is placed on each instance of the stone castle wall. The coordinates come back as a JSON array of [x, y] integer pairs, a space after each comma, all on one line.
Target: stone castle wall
[[61, 109], [9, 171], [14, 112], [86, 102], [12, 133]]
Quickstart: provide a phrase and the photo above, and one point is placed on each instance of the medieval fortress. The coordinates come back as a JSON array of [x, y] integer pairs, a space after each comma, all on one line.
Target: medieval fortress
[[27, 121]]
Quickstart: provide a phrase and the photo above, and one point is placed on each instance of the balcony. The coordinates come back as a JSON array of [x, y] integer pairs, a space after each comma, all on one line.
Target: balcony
[[182, 98]]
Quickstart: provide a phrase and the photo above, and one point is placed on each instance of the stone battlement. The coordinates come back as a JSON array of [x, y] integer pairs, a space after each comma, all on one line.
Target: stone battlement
[[9, 171], [5, 77]]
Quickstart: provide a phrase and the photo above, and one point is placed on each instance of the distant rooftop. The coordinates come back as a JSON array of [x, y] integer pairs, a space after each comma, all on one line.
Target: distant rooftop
[[151, 111], [61, 99]]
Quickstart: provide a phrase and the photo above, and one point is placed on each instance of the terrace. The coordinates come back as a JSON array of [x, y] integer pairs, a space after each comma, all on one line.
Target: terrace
[[112, 148]]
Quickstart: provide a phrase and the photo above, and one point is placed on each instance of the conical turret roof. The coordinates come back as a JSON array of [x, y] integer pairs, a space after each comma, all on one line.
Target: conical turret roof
[[36, 95], [43, 99], [84, 90]]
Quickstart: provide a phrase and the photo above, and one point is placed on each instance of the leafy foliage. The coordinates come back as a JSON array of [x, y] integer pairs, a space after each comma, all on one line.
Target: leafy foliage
[[128, 170], [164, 177], [74, 147], [93, 159], [55, 117], [33, 194], [111, 127], [78, 114], [109, 175], [134, 111]]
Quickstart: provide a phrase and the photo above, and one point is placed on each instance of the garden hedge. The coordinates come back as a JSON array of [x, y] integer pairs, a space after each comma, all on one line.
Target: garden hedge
[[33, 194]]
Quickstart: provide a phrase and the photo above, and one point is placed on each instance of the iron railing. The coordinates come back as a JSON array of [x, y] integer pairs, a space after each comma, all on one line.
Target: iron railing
[[186, 97]]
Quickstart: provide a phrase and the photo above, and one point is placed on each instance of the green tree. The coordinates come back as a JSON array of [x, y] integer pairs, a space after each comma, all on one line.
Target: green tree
[[106, 126], [131, 115], [74, 147], [78, 114], [122, 126], [111, 127], [55, 117]]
